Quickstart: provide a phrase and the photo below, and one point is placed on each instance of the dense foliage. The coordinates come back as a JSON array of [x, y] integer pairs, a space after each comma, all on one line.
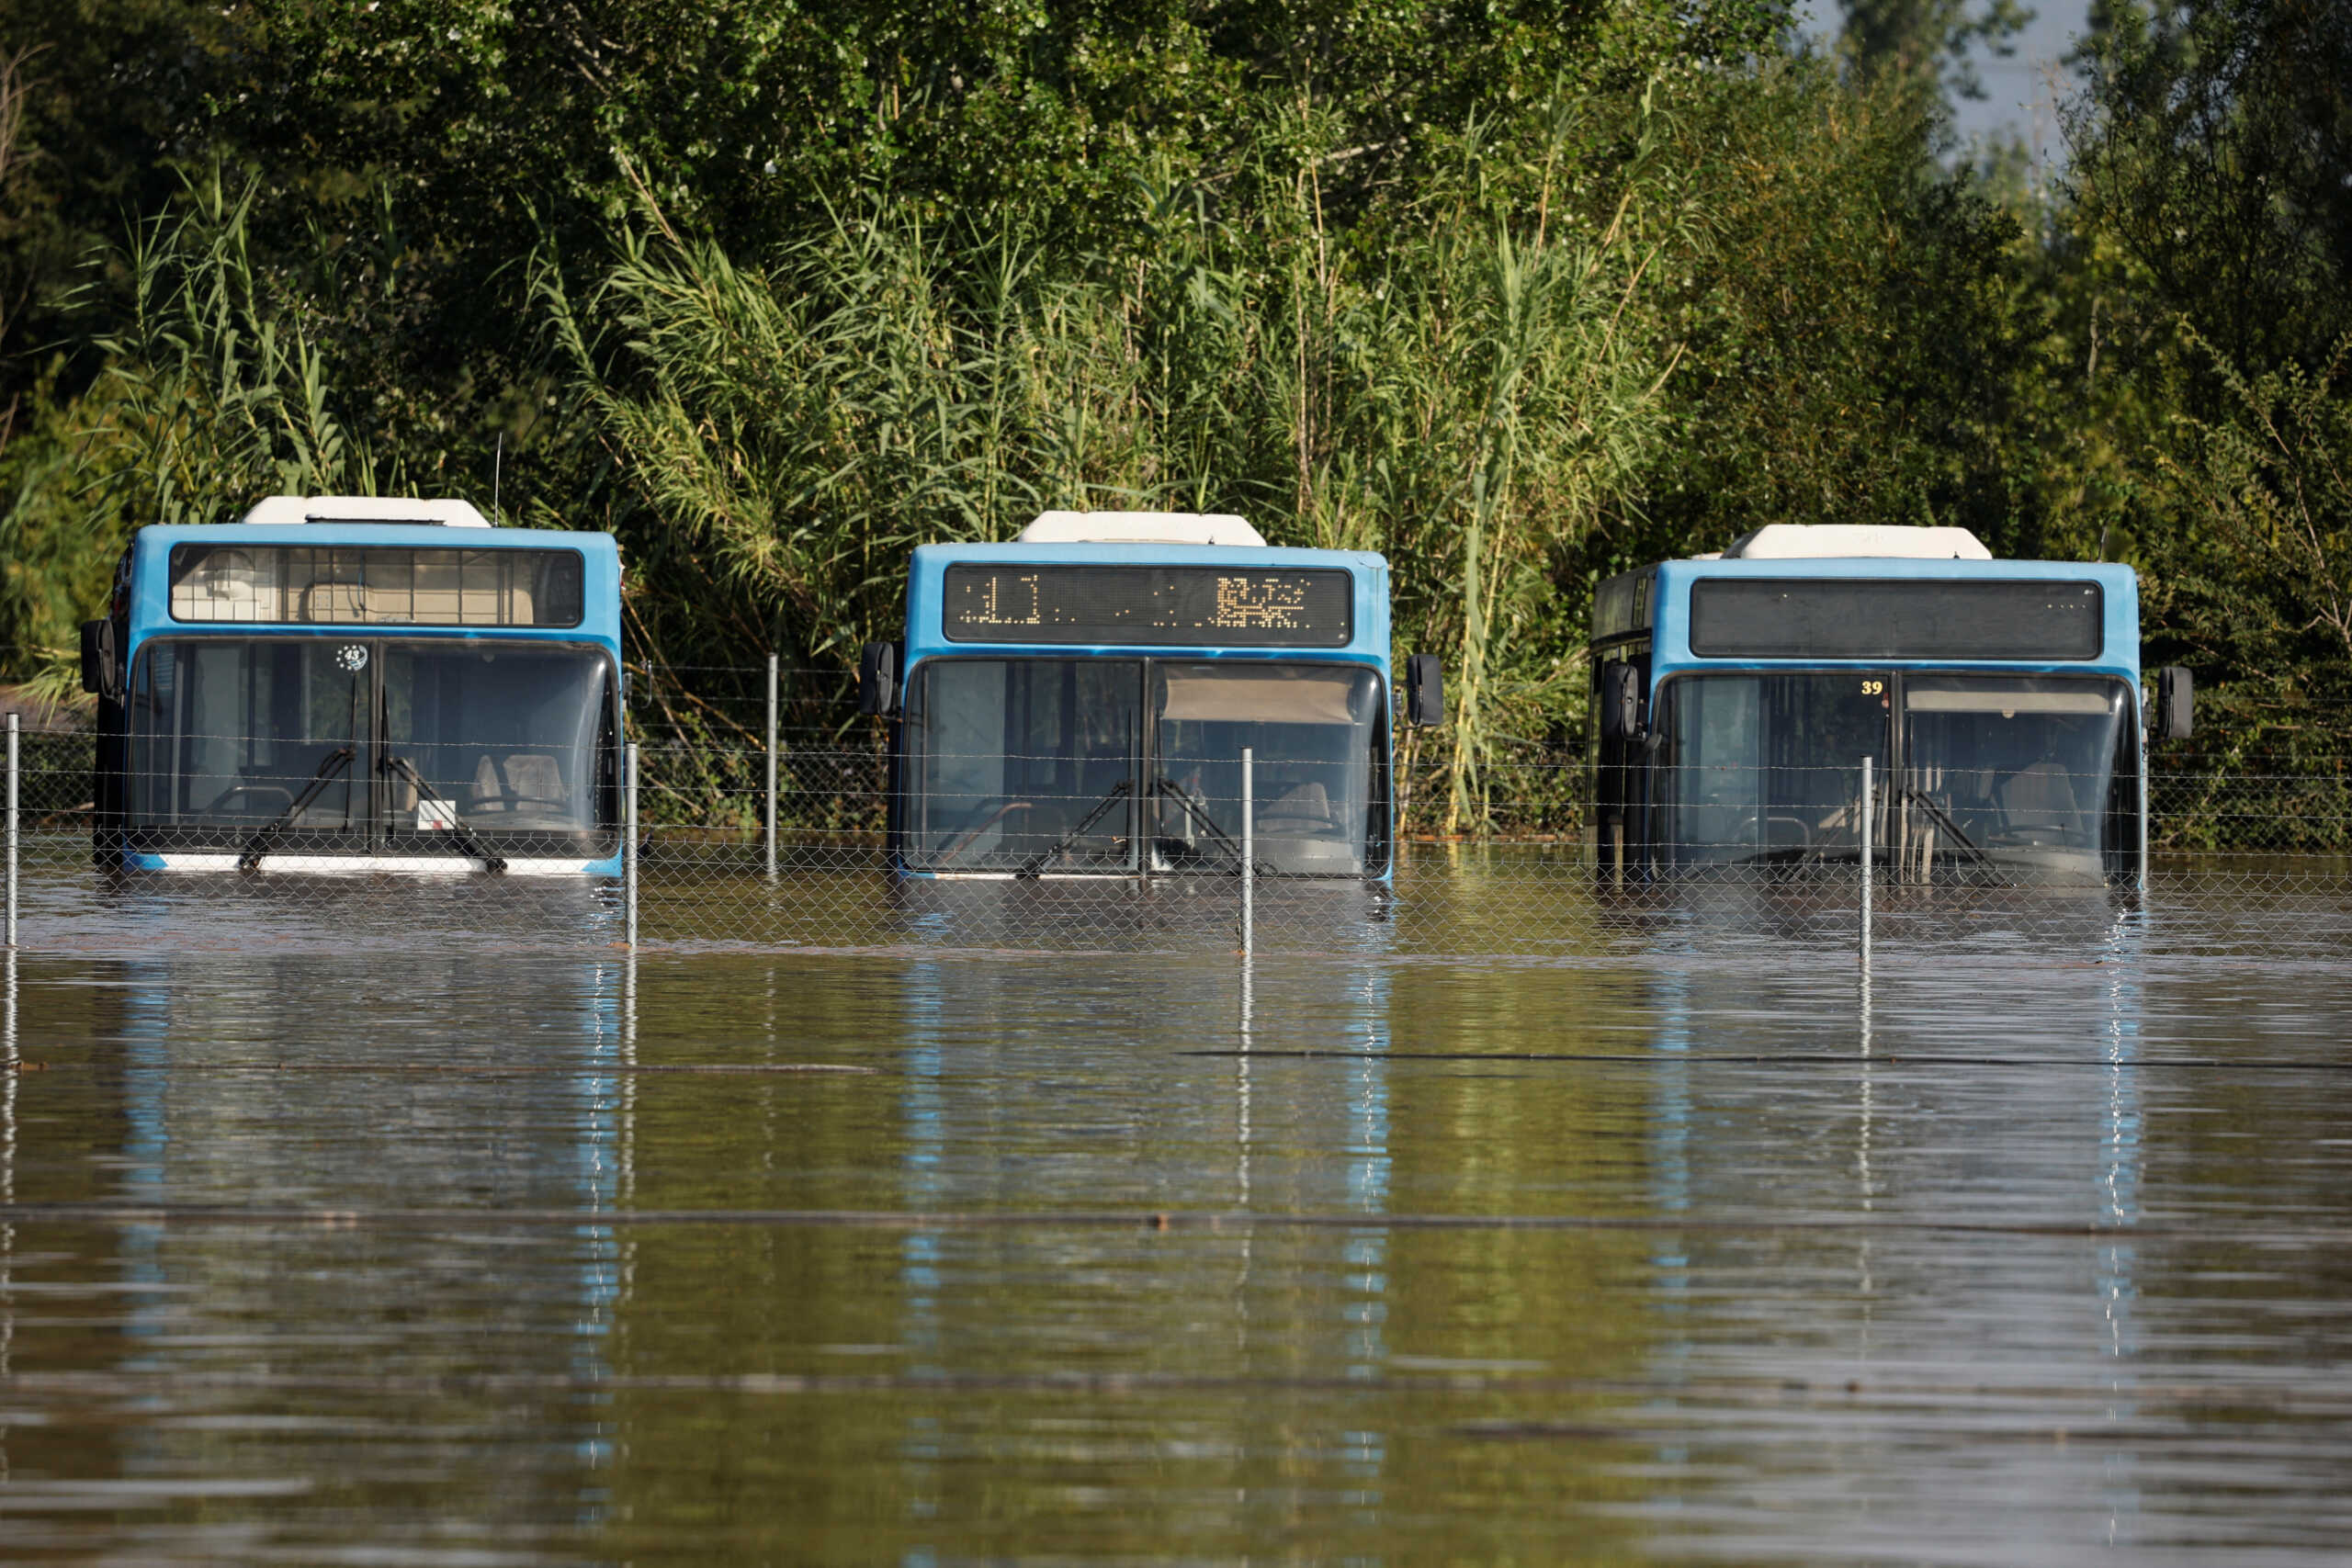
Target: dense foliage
[[1517, 292]]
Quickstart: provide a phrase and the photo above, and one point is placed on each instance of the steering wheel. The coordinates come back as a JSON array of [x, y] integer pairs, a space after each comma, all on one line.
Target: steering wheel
[[284, 794], [509, 800], [2037, 835]]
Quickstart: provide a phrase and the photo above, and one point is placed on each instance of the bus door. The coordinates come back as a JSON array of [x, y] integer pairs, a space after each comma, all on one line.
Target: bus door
[[1620, 768]]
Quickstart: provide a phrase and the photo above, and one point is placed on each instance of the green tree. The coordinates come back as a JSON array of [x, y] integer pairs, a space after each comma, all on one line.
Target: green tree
[[1926, 45]]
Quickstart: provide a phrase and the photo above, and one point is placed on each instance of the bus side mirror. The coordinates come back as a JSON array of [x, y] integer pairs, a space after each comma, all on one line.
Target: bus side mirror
[[1424, 689], [2175, 703], [1621, 701], [101, 660], [877, 678]]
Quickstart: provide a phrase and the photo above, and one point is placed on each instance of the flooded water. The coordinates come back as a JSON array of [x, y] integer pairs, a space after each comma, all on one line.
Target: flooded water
[[322, 1249]]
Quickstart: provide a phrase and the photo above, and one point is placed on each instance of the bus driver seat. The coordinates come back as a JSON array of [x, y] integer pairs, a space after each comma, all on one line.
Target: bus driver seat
[[2042, 795], [523, 778], [1306, 808]]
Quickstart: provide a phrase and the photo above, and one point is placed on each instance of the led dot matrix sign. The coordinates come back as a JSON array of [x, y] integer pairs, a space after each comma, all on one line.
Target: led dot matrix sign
[[1161, 605]]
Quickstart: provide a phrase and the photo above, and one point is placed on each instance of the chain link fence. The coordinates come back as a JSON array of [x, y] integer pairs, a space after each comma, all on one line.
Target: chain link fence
[[744, 845]]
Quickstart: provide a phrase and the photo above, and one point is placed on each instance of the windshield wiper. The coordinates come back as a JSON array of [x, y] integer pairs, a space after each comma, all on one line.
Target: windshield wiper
[[458, 832], [1943, 819], [329, 768], [1169, 789], [1031, 867]]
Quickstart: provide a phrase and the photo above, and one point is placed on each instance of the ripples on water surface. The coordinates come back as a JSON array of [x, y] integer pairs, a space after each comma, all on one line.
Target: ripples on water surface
[[424, 1246]]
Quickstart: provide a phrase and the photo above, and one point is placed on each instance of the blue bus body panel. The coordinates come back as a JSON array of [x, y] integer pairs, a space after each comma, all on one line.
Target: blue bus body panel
[[2120, 592], [926, 598], [151, 612]]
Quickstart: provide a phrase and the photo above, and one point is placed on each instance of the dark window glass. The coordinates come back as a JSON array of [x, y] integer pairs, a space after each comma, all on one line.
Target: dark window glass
[[1059, 765], [1025, 761], [1764, 768], [2007, 773], [2012, 777], [1208, 606], [1312, 733], [1620, 605], [506, 736], [375, 585], [513, 743], [228, 732], [1856, 619]]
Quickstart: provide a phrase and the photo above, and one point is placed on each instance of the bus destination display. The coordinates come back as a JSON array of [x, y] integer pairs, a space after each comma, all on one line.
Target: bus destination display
[[1205, 607]]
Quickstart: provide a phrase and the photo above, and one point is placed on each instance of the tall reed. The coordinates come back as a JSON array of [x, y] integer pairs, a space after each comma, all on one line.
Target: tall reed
[[1470, 395]]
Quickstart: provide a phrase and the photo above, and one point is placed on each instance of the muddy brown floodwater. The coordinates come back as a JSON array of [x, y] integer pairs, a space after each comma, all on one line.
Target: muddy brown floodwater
[[353, 1249]]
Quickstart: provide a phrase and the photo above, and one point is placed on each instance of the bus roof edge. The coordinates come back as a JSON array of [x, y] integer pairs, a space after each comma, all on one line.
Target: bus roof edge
[[296, 509], [1831, 541]]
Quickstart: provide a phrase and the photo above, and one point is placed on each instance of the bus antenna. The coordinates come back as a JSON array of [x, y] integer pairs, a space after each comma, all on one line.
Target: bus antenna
[[497, 472]]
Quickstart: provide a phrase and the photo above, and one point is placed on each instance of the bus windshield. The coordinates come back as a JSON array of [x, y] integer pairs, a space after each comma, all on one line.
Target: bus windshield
[[405, 739], [1060, 765], [1990, 773]]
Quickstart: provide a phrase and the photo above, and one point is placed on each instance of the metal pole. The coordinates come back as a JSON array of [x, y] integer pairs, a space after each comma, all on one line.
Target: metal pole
[[1249, 853], [1869, 834], [629, 849], [771, 817], [12, 831], [2144, 813]]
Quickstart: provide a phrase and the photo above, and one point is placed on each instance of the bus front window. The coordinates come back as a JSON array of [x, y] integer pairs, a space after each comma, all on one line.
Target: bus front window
[[402, 740], [1986, 775], [507, 738], [1765, 767], [1313, 734], [2007, 772], [228, 732], [1048, 766], [1023, 765]]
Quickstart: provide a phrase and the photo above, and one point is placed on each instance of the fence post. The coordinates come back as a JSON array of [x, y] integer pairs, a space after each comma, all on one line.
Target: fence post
[[1869, 833], [2143, 817], [1249, 853], [628, 848], [771, 816], [12, 833]]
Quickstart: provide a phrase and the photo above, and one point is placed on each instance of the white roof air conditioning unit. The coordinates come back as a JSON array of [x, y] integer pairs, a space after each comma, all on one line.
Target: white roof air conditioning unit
[[1848, 541], [295, 509], [1139, 528]]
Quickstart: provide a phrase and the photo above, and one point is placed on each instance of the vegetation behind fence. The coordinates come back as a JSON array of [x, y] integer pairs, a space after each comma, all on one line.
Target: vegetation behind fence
[[1518, 296]]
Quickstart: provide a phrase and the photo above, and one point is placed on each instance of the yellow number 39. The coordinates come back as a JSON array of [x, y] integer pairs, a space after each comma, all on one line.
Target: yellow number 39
[[1873, 688]]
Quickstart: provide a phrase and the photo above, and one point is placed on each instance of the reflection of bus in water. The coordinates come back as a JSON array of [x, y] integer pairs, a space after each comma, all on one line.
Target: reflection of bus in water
[[346, 683], [1736, 696], [1078, 703]]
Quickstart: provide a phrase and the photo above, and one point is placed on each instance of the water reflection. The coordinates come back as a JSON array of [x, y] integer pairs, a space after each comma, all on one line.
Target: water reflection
[[9, 1061], [298, 1084], [934, 1257]]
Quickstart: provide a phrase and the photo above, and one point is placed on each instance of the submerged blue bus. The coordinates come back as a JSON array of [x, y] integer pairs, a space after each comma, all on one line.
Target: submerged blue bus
[[1736, 696], [1077, 703], [343, 684]]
